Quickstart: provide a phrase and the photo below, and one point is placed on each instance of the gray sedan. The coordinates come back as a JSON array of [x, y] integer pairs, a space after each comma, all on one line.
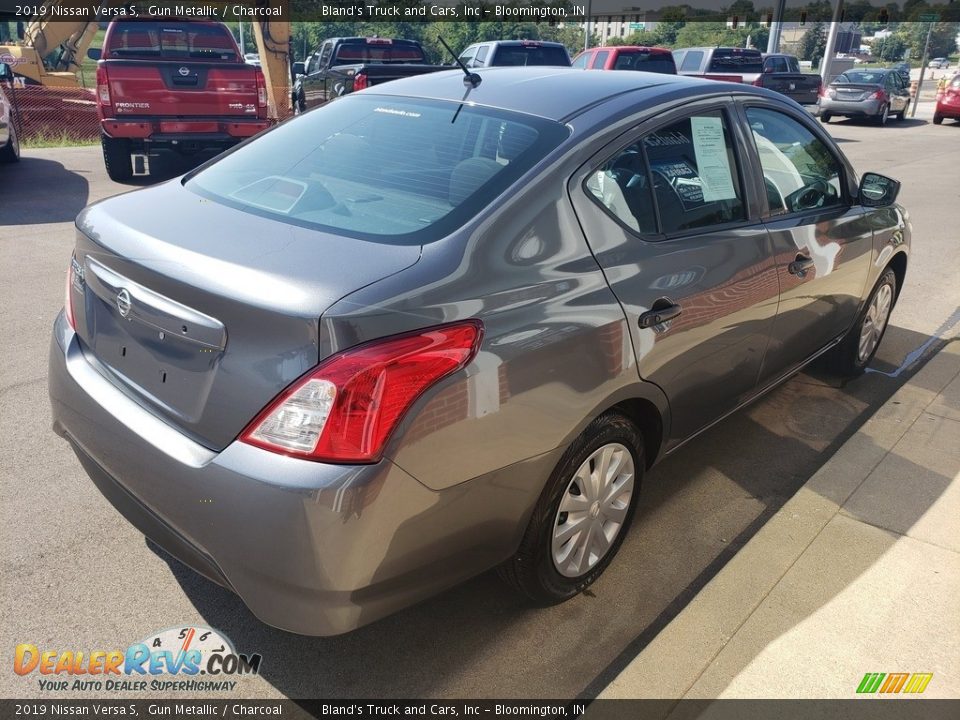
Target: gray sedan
[[871, 94], [448, 323]]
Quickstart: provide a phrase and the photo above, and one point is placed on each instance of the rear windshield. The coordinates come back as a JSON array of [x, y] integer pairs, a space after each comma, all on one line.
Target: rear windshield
[[861, 78], [530, 55], [171, 40], [377, 52], [377, 167], [732, 60], [647, 62]]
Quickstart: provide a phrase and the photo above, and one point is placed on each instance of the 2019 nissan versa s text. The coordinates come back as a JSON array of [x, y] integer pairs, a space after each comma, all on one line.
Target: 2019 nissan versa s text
[[413, 335]]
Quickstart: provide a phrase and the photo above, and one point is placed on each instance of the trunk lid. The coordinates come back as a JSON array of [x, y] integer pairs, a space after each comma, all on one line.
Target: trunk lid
[[204, 313], [182, 89], [855, 91]]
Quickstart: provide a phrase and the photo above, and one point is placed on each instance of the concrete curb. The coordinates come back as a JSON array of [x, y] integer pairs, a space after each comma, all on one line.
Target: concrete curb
[[673, 662]]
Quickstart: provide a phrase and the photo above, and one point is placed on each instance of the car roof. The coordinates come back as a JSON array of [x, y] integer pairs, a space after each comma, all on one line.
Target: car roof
[[531, 43], [555, 93]]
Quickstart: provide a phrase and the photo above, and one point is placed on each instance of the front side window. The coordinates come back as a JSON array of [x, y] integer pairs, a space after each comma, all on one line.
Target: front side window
[[600, 59], [799, 170], [582, 60], [684, 174], [403, 169]]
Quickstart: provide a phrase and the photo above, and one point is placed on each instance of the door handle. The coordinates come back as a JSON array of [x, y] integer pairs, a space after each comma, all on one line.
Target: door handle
[[659, 315], [800, 265]]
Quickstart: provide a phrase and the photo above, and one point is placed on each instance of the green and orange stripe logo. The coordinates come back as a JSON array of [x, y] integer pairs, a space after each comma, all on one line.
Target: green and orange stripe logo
[[913, 683]]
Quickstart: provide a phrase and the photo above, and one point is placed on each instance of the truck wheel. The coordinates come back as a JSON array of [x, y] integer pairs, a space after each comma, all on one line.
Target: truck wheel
[[825, 117], [10, 153], [116, 158], [583, 514], [938, 119]]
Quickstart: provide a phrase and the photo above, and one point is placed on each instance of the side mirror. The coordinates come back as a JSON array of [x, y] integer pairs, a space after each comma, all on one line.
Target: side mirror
[[93, 53], [299, 68], [878, 190]]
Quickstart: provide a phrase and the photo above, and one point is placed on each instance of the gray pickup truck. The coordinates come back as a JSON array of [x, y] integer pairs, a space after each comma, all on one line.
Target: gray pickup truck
[[780, 73], [343, 65]]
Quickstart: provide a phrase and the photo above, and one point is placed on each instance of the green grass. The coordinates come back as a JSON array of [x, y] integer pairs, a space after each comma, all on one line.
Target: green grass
[[53, 140]]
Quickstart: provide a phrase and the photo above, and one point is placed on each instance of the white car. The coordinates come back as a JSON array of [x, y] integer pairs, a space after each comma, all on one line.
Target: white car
[[939, 63], [252, 59]]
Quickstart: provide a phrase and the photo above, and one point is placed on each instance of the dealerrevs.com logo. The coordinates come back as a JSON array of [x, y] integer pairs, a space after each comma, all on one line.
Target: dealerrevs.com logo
[[190, 659]]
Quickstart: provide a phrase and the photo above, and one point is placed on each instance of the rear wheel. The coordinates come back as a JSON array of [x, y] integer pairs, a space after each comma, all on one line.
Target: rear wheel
[[10, 153], [851, 357], [883, 116], [825, 117], [938, 119], [583, 514], [116, 158], [903, 113]]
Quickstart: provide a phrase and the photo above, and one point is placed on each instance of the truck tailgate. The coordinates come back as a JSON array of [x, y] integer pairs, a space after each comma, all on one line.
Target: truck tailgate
[[799, 87], [182, 89]]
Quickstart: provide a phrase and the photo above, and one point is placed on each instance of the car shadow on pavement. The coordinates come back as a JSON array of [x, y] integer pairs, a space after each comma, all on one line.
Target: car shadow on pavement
[[36, 191], [892, 123], [696, 510]]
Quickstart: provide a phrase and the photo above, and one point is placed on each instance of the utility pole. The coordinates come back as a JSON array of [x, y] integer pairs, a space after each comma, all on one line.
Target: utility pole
[[923, 63], [773, 42], [831, 48], [586, 26]]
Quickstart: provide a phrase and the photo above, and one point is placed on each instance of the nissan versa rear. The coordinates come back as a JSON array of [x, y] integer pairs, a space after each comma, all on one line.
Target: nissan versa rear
[[437, 327]]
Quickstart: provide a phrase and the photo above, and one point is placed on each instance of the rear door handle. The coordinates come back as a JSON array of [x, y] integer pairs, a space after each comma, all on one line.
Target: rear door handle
[[659, 315], [800, 265]]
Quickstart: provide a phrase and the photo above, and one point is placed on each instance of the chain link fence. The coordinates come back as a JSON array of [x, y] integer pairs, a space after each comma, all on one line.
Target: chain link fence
[[53, 115]]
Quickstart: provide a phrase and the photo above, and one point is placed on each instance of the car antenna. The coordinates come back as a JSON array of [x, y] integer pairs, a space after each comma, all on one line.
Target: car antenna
[[470, 79]]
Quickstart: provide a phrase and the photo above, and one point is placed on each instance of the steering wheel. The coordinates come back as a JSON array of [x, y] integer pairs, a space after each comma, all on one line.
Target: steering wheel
[[810, 196]]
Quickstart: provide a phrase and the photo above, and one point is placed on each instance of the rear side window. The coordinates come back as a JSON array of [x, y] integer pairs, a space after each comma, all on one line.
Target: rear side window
[[600, 59], [185, 41], [646, 62], [408, 170], [692, 60], [775, 64], [514, 55], [678, 178], [376, 51], [582, 59], [735, 60]]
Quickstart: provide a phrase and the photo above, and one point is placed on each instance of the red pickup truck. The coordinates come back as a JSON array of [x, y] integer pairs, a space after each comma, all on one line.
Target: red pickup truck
[[179, 86]]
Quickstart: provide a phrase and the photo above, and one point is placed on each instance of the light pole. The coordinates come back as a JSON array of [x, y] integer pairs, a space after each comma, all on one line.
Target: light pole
[[586, 26], [830, 50], [923, 64], [773, 42]]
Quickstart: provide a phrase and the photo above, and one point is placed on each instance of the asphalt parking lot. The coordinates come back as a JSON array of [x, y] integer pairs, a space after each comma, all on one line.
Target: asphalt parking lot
[[77, 576]]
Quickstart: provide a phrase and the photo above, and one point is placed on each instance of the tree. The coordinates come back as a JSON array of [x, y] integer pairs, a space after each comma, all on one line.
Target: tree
[[813, 44], [890, 48]]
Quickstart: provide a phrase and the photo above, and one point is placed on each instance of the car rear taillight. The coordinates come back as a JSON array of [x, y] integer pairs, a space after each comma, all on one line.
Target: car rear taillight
[[68, 295], [880, 95], [759, 81], [345, 410], [360, 81], [261, 89], [103, 87]]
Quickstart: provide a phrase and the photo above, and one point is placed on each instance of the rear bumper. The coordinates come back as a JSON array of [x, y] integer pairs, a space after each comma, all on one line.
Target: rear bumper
[[860, 108], [168, 129], [948, 111], [310, 548]]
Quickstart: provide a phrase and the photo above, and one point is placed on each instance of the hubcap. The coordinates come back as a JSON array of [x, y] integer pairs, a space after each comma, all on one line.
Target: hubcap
[[874, 322], [593, 510]]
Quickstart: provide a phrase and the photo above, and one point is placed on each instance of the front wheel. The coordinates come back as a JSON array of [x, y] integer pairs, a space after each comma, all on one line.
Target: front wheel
[[583, 514], [938, 119], [851, 357], [10, 152], [825, 117]]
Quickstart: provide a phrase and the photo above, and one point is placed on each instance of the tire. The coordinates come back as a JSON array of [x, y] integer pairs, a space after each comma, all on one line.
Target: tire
[[299, 104], [10, 152], [902, 115], [825, 117], [549, 570], [884, 115], [116, 158], [938, 119], [849, 359]]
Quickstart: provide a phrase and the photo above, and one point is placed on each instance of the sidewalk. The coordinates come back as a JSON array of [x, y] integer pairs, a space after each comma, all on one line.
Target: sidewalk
[[858, 573]]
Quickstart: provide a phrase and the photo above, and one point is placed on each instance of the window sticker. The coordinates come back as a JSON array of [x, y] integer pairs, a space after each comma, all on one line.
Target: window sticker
[[713, 163]]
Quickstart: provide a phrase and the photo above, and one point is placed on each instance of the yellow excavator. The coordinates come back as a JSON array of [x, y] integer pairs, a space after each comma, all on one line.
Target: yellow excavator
[[51, 51]]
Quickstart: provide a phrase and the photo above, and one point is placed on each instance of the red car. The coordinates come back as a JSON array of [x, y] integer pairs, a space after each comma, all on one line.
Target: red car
[[627, 57], [948, 105]]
